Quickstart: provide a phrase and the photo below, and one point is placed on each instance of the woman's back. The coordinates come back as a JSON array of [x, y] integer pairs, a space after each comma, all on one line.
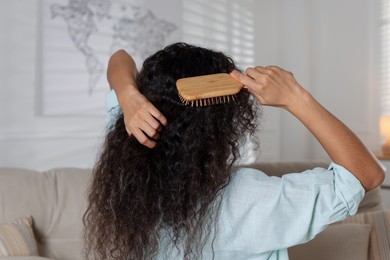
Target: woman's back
[[259, 217]]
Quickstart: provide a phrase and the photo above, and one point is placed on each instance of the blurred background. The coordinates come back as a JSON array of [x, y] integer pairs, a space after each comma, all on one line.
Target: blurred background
[[54, 53]]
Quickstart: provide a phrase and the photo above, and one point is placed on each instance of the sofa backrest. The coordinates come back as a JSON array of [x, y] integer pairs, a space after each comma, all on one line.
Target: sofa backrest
[[56, 199]]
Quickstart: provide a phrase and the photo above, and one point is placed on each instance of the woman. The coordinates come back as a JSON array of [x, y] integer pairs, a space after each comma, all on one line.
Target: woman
[[183, 199]]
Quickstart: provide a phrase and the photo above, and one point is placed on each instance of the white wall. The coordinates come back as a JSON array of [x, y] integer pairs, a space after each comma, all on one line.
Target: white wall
[[331, 46], [28, 140]]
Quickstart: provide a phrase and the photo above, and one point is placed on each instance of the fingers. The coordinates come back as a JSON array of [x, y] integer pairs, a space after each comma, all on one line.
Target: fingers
[[149, 130], [264, 70], [152, 121], [244, 79], [144, 132], [143, 139], [146, 124], [145, 135], [254, 76], [157, 114], [259, 72]]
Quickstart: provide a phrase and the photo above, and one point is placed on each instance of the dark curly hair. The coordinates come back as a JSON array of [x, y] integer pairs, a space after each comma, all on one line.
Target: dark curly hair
[[136, 192]]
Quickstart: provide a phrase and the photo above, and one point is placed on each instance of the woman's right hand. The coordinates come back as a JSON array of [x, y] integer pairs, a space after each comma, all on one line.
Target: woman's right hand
[[142, 118], [272, 86]]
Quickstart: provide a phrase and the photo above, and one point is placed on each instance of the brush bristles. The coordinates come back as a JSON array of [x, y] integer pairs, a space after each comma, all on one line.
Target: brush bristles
[[208, 101]]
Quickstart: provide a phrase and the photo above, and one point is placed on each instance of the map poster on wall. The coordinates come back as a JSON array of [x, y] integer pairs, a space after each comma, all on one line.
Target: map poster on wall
[[78, 37]]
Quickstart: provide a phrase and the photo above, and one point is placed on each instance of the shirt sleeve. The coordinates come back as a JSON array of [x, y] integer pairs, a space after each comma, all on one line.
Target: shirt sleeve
[[262, 214], [112, 108]]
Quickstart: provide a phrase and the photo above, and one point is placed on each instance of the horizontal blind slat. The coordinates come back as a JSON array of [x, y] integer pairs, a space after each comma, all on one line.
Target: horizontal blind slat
[[385, 56]]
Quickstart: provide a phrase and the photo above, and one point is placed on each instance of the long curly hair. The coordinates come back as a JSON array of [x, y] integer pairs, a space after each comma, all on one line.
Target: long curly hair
[[136, 192]]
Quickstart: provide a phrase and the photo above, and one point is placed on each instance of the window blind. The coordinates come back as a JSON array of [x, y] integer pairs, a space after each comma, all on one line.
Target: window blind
[[224, 25], [385, 56]]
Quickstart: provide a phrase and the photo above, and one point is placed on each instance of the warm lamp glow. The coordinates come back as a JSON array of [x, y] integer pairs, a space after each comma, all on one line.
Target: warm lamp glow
[[385, 131], [385, 125]]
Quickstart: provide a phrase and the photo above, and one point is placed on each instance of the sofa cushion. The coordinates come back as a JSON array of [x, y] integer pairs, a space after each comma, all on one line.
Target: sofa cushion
[[380, 240], [341, 242], [17, 238]]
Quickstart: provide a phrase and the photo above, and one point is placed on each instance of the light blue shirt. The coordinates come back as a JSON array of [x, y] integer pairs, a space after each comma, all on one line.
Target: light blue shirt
[[112, 108], [261, 216]]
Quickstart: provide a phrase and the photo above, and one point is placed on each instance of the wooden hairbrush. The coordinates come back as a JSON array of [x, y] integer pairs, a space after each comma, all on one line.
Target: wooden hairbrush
[[208, 90]]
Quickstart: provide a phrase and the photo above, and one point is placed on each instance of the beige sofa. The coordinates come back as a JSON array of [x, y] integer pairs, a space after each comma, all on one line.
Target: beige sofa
[[56, 201]]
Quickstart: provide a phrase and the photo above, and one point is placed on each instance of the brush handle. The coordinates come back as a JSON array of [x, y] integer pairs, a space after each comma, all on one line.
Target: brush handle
[[208, 86]]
